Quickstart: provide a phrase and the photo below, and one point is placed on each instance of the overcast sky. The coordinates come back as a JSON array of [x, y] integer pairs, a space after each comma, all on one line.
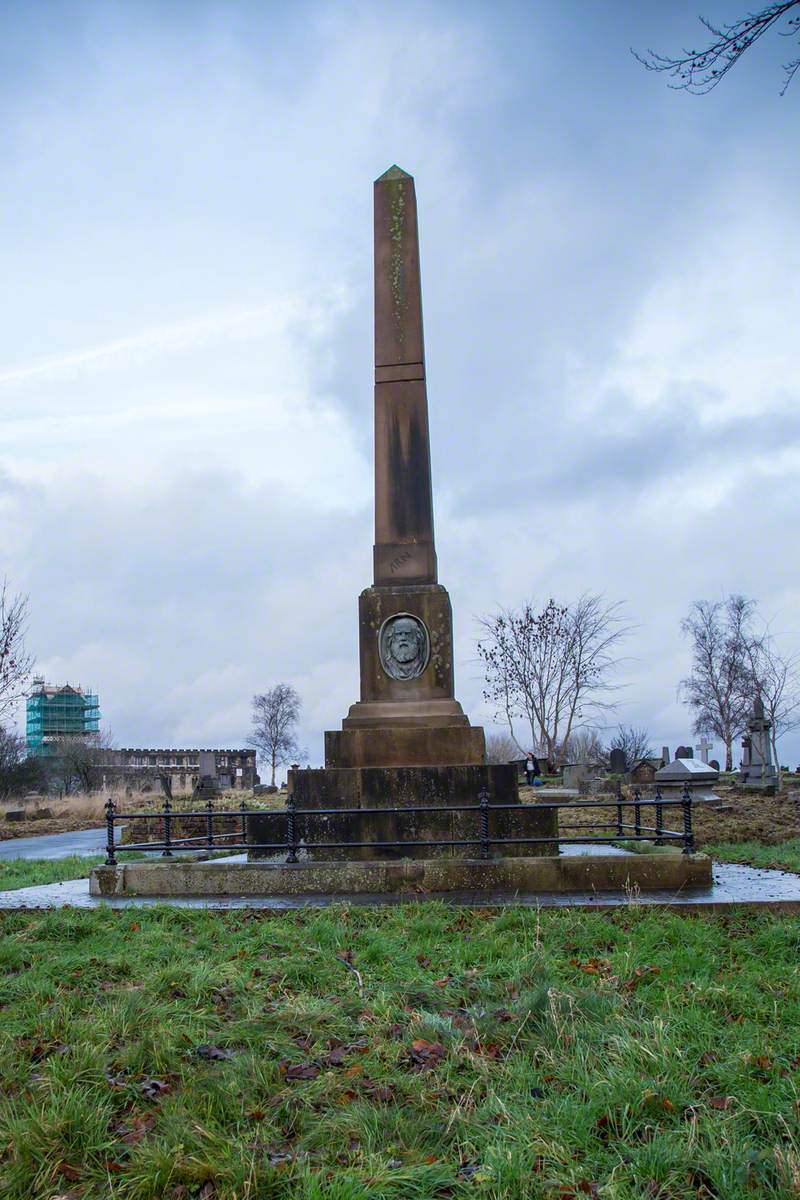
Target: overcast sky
[[610, 281]]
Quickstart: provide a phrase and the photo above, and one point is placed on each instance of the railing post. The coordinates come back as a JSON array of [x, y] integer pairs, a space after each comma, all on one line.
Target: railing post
[[619, 809], [483, 801], [659, 818], [243, 807], [637, 813], [291, 830], [210, 822], [167, 852], [111, 858], [688, 836]]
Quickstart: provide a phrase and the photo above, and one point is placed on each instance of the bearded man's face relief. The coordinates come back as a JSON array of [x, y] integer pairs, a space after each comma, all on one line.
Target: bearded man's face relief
[[403, 647]]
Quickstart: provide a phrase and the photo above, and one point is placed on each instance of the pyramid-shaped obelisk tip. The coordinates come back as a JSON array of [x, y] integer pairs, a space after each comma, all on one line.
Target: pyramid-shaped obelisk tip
[[394, 172]]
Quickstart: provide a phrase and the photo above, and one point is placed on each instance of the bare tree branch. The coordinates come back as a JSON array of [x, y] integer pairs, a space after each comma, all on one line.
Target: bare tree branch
[[634, 742], [275, 716], [501, 748], [698, 71], [776, 680], [551, 669], [720, 688], [15, 662]]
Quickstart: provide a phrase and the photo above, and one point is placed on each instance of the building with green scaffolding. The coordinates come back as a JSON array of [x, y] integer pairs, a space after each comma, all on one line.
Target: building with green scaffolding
[[53, 713]]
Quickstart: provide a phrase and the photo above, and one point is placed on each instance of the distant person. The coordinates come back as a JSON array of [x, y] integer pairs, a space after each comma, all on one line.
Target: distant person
[[537, 770], [532, 768]]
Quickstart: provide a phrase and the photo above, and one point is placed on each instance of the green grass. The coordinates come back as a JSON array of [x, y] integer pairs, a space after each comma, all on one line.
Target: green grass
[[505, 1054], [36, 872], [783, 855], [33, 872]]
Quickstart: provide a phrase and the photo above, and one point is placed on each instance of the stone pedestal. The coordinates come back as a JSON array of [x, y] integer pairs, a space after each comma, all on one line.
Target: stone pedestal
[[407, 714], [382, 798]]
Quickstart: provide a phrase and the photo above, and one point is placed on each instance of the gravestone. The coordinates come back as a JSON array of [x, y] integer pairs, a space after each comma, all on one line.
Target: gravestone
[[617, 764], [665, 758], [207, 785], [684, 752], [714, 763], [700, 777], [574, 774], [758, 770], [703, 748], [643, 772]]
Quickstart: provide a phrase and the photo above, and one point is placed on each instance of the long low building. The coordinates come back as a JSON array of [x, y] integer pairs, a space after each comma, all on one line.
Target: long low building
[[141, 768]]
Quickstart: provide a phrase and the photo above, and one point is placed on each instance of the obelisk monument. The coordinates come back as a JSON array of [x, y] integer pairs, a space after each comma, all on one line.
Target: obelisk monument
[[407, 714]]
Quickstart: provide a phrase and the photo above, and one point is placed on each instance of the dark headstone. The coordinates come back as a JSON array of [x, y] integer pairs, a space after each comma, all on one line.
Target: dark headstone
[[15, 814], [644, 771], [684, 752], [616, 762], [714, 763], [42, 814]]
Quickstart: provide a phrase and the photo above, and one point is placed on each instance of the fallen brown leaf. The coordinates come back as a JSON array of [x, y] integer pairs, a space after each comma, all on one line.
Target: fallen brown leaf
[[214, 1053], [153, 1089], [425, 1055], [134, 1129], [308, 1070], [69, 1172]]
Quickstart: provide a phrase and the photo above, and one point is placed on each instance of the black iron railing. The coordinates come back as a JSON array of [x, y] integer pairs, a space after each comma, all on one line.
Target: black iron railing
[[212, 839]]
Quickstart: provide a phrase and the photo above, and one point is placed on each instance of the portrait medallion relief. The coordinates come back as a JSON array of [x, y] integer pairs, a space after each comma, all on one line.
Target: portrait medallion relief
[[403, 646]]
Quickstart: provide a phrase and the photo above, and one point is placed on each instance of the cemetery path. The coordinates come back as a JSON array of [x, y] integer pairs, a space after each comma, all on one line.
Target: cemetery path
[[55, 845], [734, 886]]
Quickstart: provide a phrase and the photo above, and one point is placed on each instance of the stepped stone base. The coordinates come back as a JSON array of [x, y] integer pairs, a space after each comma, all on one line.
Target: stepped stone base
[[505, 876]]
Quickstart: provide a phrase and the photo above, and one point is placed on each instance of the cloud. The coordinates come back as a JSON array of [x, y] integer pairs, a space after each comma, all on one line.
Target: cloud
[[185, 355]]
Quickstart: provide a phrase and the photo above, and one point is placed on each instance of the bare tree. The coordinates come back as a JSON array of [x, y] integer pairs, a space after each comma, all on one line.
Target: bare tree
[[775, 679], [501, 748], [584, 746], [698, 71], [15, 662], [78, 763], [275, 716], [18, 773], [633, 741], [720, 687], [551, 669]]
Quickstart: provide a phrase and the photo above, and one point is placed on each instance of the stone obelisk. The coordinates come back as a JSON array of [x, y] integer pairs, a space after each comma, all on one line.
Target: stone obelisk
[[407, 715]]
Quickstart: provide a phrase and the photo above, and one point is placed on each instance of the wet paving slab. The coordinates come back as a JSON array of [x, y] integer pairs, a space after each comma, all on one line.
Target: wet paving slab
[[55, 845], [734, 886]]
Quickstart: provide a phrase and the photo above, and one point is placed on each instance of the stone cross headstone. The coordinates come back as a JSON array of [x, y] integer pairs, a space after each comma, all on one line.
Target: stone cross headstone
[[616, 762], [703, 748]]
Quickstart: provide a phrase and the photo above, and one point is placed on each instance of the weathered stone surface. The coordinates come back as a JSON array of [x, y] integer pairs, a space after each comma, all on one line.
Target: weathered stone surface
[[378, 787], [430, 604], [404, 541], [507, 875], [405, 746], [404, 789]]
